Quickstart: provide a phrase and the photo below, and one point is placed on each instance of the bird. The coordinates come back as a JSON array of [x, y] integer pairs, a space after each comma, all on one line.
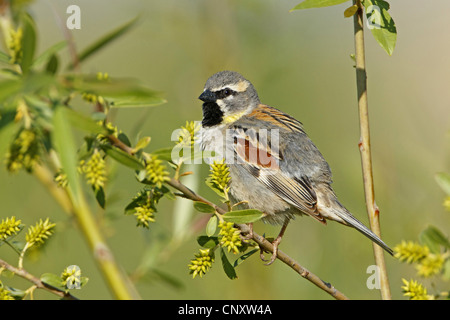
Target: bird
[[274, 166]]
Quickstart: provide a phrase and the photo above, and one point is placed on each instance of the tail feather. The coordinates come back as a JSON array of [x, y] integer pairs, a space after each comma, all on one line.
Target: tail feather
[[358, 225], [330, 207]]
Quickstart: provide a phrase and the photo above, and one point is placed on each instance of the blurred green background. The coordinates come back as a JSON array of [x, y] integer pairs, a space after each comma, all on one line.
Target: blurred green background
[[299, 62]]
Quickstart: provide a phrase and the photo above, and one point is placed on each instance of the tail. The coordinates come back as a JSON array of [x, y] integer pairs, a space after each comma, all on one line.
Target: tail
[[330, 207], [351, 221]]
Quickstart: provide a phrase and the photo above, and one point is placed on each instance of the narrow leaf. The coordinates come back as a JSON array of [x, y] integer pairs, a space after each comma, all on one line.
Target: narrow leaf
[[227, 267], [4, 57], [100, 197], [307, 4], [28, 42], [244, 257], [443, 179], [65, 146], [381, 24], [105, 40], [84, 123], [243, 216], [47, 54], [203, 207], [123, 157], [434, 238]]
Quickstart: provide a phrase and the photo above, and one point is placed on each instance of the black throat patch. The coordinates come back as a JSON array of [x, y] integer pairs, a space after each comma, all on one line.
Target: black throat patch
[[212, 115]]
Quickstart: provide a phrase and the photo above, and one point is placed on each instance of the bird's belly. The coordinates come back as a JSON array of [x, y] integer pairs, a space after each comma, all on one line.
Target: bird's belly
[[245, 187]]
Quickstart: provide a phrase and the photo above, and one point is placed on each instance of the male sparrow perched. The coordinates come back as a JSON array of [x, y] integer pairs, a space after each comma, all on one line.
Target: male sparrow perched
[[274, 166]]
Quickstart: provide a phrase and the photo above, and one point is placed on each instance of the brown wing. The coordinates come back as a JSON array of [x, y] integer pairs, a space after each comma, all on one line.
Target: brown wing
[[257, 156]]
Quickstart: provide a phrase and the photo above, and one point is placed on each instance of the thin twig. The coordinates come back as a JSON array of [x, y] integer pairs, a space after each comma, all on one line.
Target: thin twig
[[36, 281], [261, 241], [264, 244], [364, 147]]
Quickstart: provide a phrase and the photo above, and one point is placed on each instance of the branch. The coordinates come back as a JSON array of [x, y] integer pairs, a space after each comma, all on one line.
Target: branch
[[364, 147], [36, 281], [118, 284], [264, 244]]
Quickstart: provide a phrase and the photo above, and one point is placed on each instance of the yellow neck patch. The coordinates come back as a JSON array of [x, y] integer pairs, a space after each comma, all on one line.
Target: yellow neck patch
[[233, 117]]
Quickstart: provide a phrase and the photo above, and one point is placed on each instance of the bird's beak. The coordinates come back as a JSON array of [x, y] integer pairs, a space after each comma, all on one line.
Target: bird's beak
[[207, 96]]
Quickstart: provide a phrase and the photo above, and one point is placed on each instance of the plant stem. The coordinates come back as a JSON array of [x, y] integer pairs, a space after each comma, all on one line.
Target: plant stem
[[364, 147], [36, 281], [115, 279]]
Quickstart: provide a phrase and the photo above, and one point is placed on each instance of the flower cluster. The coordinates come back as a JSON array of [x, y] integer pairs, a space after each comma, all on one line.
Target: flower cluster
[[5, 294], [92, 97], [427, 263], [37, 234], [24, 152], [9, 227], [15, 45], [71, 277], [156, 172], [229, 236], [61, 179], [415, 290], [188, 133], [411, 251], [202, 263], [94, 170], [144, 214], [220, 175]]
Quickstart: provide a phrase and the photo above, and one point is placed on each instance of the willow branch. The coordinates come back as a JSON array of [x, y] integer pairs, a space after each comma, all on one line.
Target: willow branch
[[118, 284], [364, 147], [36, 281], [264, 244]]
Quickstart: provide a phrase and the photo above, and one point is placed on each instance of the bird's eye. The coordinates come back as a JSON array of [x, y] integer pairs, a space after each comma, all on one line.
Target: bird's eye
[[224, 93]]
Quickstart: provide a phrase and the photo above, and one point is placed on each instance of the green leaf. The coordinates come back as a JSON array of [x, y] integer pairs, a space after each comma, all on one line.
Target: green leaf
[[446, 271], [203, 207], [211, 226], [243, 216], [28, 42], [17, 294], [308, 4], [350, 11], [434, 238], [105, 40], [47, 54], [121, 93], [52, 65], [142, 143], [443, 179], [207, 242], [9, 88], [163, 154], [84, 123], [100, 197], [4, 57], [381, 24], [227, 267], [123, 157], [65, 146], [7, 131], [53, 280], [244, 257]]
